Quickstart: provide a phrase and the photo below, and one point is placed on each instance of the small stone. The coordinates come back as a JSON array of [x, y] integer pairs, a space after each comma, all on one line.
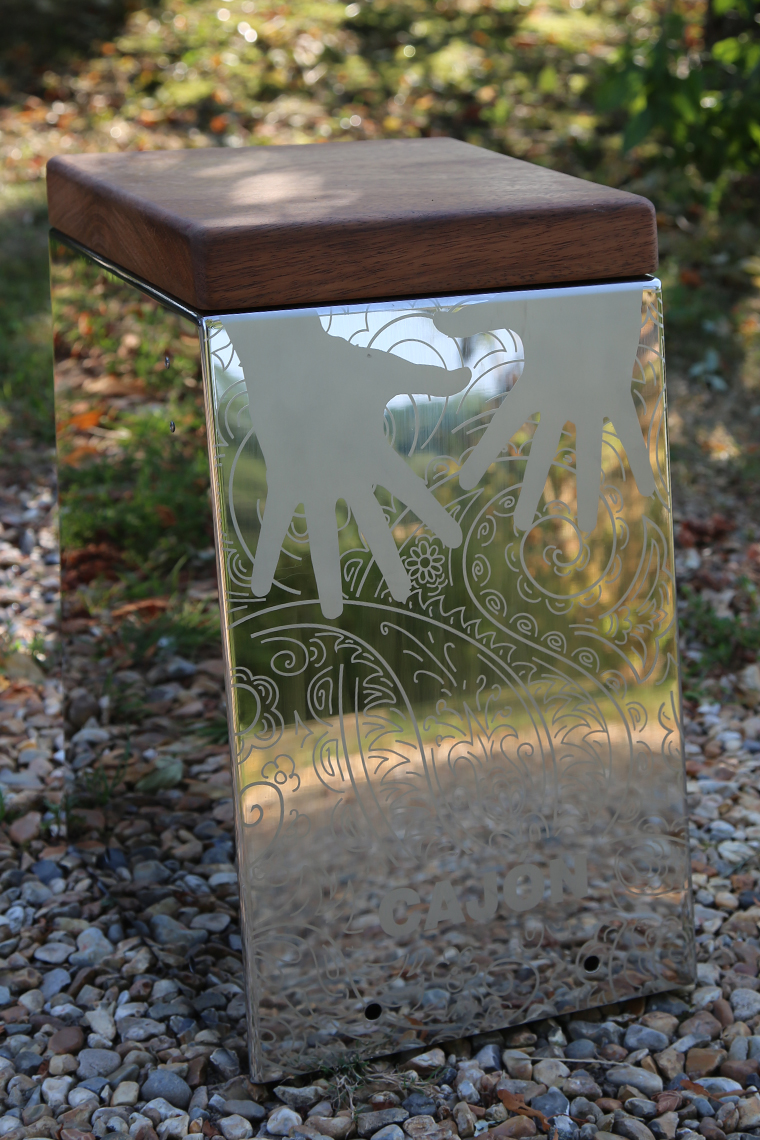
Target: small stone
[[97, 1063], [727, 1118], [196, 1072], [418, 1127], [238, 1128], [528, 1090], [710, 1130], [702, 1024], [35, 894], [126, 1092], [488, 1058], [336, 1127], [745, 1004], [720, 1085], [227, 1065], [740, 1070], [664, 1127], [159, 1109], [517, 1064], [630, 1127], [552, 1103], [81, 1097], [55, 1091], [722, 1011], [565, 1128], [164, 1083], [581, 1083], [550, 1071], [92, 948], [61, 1064], [26, 828], [643, 1109], [27, 1063], [54, 982], [101, 1022], [280, 1121], [70, 1039], [670, 1063], [583, 1109], [749, 1112], [464, 1118], [53, 953], [640, 1037], [173, 1126], [581, 1050], [306, 1131], [704, 996], [140, 1028], [368, 1123], [733, 851], [168, 932], [32, 1001], [517, 1128], [150, 871], [390, 1132], [299, 1099], [467, 1091], [600, 1033], [81, 708], [213, 923], [613, 1052], [739, 1048], [663, 1022], [140, 964], [417, 1104], [650, 1084], [427, 1062], [247, 1108], [704, 1062]]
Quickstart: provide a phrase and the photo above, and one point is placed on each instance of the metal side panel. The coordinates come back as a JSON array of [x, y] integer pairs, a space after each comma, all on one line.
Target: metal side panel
[[454, 676]]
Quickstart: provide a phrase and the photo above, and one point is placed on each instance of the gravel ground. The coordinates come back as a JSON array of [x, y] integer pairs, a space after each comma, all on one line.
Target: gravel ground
[[121, 995]]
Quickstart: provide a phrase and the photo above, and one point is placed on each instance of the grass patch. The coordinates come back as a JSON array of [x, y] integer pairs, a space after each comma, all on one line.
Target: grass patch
[[724, 644], [185, 632], [26, 359]]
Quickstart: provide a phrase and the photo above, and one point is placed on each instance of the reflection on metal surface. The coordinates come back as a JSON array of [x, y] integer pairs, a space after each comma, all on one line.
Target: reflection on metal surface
[[458, 762], [137, 558], [454, 702]]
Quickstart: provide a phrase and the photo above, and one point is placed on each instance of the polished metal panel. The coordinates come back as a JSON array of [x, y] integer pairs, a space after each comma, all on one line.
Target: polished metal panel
[[452, 691], [454, 706]]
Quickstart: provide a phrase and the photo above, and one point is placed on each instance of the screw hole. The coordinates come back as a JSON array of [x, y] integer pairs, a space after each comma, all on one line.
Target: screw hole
[[373, 1011], [591, 964]]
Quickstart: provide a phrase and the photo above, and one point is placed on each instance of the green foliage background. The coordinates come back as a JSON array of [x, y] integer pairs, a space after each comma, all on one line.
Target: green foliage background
[[661, 97], [658, 96]]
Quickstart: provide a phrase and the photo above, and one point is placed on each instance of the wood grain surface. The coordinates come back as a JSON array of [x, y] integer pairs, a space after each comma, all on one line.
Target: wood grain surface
[[266, 227]]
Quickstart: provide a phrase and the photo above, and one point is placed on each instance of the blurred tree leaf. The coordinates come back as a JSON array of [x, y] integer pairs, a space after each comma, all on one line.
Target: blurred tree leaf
[[686, 85]]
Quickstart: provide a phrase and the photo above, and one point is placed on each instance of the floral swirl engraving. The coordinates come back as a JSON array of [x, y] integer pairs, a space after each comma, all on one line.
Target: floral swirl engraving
[[501, 743]]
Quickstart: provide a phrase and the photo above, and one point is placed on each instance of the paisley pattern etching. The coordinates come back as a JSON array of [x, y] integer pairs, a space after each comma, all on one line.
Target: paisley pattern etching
[[507, 735]]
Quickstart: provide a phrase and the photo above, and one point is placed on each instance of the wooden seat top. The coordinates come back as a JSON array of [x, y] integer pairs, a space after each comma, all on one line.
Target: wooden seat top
[[272, 226]]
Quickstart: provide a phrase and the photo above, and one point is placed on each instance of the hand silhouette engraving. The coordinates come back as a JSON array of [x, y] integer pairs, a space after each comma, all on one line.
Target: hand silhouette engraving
[[579, 356], [316, 405]]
